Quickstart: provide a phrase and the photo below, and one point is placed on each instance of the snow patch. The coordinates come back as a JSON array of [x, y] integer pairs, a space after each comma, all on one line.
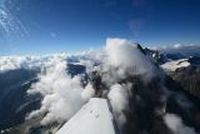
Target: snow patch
[[173, 65]]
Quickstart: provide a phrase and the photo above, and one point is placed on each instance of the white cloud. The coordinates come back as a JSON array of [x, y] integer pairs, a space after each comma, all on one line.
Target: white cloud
[[88, 92], [175, 123], [27, 62], [177, 45], [124, 59], [118, 97], [63, 95]]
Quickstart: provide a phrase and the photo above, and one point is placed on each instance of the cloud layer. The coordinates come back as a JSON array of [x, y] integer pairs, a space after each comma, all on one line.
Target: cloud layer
[[64, 94]]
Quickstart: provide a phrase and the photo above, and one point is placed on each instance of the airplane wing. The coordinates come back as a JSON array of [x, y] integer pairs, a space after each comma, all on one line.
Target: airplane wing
[[93, 118]]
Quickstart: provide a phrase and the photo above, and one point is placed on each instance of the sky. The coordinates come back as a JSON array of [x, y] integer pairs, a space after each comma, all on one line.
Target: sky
[[50, 26]]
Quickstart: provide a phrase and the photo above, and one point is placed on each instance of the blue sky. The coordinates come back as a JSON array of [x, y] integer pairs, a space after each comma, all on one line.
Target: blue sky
[[49, 26]]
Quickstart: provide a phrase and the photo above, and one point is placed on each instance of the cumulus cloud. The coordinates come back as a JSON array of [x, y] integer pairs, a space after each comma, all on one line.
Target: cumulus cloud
[[27, 62], [63, 95], [123, 53], [125, 59], [15, 62], [176, 124], [118, 97], [8, 63], [88, 92]]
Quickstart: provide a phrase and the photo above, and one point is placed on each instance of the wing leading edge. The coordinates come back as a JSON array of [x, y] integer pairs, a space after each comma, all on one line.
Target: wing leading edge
[[93, 118]]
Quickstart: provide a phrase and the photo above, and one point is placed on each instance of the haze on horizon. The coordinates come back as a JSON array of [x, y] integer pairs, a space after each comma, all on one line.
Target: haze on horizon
[[50, 26]]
